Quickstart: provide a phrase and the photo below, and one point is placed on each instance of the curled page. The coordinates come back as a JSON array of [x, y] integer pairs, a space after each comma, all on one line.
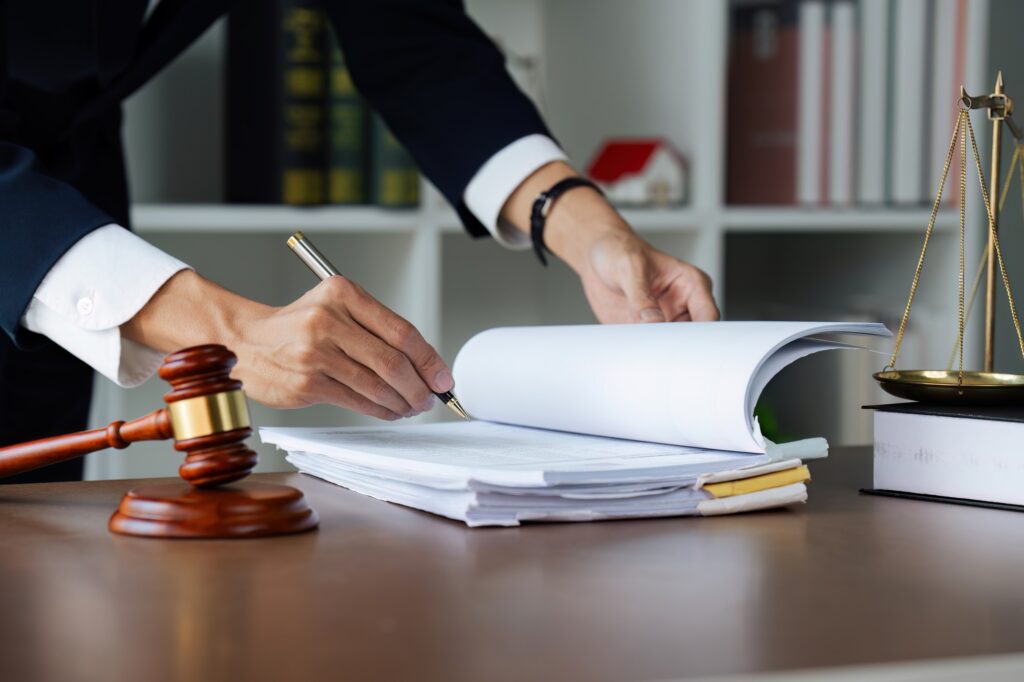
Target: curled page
[[687, 383]]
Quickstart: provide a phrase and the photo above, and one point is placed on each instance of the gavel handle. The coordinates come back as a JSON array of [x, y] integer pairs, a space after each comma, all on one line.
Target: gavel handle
[[16, 459]]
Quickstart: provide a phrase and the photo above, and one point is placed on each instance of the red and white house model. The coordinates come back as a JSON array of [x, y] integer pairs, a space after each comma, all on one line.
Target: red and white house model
[[640, 172]]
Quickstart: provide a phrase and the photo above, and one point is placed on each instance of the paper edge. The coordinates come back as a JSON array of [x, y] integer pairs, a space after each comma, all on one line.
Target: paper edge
[[863, 328]]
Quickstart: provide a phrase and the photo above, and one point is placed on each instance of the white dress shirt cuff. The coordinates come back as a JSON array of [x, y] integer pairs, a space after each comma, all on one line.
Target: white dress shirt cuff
[[500, 175], [95, 287]]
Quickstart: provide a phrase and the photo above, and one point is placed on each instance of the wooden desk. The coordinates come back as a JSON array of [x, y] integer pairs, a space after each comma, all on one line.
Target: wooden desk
[[385, 592]]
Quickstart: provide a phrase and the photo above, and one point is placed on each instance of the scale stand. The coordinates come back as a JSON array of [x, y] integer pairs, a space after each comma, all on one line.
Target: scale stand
[[968, 387]]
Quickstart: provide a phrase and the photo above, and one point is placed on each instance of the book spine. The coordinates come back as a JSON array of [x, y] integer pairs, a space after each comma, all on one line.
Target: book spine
[[944, 92], [959, 78], [873, 103], [841, 106], [303, 137], [824, 147], [346, 119], [761, 155], [909, 85], [811, 96], [275, 122], [394, 178]]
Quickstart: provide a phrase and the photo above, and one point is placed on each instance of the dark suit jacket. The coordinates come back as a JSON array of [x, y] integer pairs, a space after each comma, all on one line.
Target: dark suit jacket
[[65, 67]]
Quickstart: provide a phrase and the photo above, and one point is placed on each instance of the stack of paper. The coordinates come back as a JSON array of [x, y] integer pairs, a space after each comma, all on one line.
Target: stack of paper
[[497, 475], [589, 422]]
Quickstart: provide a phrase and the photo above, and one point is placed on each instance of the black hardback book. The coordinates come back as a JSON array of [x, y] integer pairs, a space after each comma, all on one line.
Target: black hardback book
[[943, 499], [1011, 413], [275, 117]]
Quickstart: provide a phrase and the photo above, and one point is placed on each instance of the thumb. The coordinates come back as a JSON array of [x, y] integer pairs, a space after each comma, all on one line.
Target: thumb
[[643, 306]]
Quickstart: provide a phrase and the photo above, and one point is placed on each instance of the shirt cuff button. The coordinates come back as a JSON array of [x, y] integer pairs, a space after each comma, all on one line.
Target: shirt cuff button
[[84, 306]]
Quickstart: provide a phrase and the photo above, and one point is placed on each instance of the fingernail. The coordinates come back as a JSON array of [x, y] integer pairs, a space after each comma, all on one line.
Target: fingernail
[[651, 315], [444, 381]]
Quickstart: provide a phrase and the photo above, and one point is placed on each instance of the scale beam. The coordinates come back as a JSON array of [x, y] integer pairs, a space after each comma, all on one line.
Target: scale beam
[[998, 104]]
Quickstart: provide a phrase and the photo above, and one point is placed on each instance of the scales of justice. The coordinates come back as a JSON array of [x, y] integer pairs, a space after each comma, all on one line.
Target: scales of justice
[[950, 386]]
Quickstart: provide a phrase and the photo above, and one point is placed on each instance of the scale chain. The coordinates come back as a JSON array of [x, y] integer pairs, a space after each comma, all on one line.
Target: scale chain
[[927, 238], [995, 238], [960, 277], [963, 121], [1015, 164]]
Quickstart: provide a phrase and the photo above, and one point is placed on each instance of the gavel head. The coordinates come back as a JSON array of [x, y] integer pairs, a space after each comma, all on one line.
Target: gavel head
[[208, 415]]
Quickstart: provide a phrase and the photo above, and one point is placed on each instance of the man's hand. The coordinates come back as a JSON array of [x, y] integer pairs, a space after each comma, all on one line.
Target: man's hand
[[336, 344], [628, 280], [625, 278]]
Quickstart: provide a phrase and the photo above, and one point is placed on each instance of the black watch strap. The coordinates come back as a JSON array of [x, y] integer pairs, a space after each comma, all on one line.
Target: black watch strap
[[542, 207]]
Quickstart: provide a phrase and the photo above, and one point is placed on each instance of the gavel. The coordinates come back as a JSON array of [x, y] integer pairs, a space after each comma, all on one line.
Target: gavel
[[208, 419], [206, 415]]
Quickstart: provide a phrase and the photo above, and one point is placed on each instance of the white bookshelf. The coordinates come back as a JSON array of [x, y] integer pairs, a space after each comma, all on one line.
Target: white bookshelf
[[236, 219], [608, 68]]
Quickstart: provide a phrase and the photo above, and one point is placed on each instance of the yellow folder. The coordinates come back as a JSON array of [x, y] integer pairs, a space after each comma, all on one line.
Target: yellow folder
[[743, 486]]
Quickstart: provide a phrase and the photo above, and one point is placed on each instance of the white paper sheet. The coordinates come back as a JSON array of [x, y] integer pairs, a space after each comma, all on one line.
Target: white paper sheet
[[762, 499], [450, 456], [476, 508], [688, 383]]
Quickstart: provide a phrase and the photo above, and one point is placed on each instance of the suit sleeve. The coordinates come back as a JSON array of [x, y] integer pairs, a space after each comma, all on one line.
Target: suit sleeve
[[42, 218], [439, 83]]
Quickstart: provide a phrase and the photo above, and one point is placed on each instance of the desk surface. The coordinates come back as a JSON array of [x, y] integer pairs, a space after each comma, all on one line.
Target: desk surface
[[381, 591]]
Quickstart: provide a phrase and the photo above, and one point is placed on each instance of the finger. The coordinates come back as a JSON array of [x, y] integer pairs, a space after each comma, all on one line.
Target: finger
[[400, 334], [391, 365], [323, 389], [319, 367], [703, 309], [701, 303], [642, 303], [346, 371], [359, 332], [688, 297], [685, 306]]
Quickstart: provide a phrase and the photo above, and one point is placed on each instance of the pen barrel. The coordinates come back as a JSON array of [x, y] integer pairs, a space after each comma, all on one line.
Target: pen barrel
[[311, 256]]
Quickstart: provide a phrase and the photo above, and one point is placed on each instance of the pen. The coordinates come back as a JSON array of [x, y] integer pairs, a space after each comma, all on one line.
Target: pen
[[322, 268]]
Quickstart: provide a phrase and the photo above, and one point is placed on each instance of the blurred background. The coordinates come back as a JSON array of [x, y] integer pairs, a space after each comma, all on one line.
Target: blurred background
[[791, 149]]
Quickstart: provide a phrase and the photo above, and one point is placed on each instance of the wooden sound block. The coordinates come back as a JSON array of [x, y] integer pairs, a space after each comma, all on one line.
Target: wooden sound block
[[241, 510]]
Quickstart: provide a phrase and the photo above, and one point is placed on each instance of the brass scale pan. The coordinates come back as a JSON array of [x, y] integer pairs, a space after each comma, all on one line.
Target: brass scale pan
[[941, 386]]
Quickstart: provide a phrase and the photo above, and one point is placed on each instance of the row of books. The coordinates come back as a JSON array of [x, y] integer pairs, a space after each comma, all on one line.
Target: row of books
[[297, 131], [840, 102]]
